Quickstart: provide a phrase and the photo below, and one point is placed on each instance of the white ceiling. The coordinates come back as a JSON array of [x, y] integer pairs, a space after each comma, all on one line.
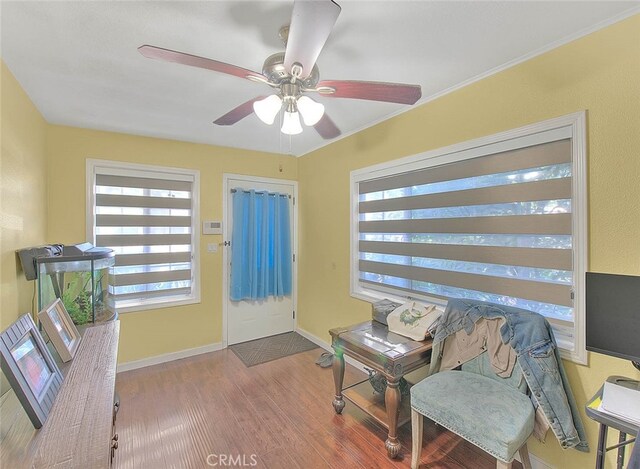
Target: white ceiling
[[78, 61]]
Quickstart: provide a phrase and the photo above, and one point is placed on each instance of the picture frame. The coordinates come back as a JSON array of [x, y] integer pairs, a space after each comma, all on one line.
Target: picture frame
[[61, 330], [30, 368]]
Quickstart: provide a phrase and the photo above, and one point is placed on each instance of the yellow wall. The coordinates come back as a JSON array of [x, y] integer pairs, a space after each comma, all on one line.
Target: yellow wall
[[23, 202], [44, 166], [23, 186], [43, 177], [599, 73], [164, 330]]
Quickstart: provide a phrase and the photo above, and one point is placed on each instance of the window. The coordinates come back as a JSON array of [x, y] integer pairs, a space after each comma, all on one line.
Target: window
[[500, 219], [148, 215]]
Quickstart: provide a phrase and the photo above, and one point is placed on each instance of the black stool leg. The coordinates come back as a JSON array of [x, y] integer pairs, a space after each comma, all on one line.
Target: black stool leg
[[602, 441], [622, 439]]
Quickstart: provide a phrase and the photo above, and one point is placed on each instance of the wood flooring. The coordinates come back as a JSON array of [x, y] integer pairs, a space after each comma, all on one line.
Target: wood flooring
[[212, 411]]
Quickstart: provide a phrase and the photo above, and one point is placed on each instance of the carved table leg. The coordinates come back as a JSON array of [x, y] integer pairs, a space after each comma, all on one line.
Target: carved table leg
[[392, 404], [338, 378]]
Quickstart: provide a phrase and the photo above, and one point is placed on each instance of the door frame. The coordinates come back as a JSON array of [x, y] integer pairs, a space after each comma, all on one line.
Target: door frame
[[226, 236]]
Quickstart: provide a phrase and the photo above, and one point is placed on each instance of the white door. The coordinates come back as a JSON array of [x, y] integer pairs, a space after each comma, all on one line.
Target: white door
[[253, 319]]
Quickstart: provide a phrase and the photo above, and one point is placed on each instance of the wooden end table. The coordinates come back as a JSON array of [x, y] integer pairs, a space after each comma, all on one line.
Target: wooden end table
[[390, 354]]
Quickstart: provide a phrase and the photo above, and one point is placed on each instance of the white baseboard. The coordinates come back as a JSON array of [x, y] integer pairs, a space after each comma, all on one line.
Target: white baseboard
[[167, 357], [316, 340], [325, 345], [536, 462]]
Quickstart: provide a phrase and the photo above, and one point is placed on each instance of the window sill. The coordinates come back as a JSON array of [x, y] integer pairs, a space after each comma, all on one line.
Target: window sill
[[567, 348], [372, 297], [158, 304]]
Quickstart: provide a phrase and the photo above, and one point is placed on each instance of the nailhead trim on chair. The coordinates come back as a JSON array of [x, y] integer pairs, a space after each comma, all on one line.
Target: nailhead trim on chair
[[479, 445]]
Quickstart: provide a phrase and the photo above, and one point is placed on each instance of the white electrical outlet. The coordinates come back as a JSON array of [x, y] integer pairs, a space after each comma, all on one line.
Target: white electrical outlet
[[212, 247]]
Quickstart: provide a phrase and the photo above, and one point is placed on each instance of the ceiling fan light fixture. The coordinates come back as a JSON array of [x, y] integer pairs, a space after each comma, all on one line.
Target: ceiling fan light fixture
[[267, 109], [291, 123], [294, 72], [311, 110]]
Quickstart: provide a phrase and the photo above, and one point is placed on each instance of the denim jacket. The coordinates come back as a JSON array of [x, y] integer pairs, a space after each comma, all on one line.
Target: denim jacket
[[531, 337]]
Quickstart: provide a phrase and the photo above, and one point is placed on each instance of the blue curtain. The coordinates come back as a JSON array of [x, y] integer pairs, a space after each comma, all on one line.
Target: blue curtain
[[260, 246]]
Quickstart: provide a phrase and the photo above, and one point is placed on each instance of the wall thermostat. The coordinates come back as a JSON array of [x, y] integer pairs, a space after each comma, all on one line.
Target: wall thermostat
[[212, 227]]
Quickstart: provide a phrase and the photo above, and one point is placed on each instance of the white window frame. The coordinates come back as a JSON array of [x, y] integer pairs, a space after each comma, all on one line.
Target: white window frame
[[571, 340], [115, 167]]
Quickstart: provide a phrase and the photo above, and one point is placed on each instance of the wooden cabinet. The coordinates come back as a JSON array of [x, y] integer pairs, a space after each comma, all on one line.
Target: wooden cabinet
[[79, 431]]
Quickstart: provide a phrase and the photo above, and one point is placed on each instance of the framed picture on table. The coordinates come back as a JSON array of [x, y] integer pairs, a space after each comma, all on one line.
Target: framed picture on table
[[60, 329], [30, 368]]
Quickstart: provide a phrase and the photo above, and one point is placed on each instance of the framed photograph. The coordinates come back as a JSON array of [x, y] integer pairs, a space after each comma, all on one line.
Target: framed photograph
[[60, 329], [30, 368]]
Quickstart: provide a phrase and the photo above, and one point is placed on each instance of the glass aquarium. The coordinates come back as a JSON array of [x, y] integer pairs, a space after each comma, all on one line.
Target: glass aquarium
[[80, 277]]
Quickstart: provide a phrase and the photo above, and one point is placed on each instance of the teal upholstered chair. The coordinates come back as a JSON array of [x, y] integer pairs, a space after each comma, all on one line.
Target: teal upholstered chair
[[491, 412]]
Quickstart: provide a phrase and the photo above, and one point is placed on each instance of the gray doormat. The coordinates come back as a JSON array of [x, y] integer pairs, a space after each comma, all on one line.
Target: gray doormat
[[271, 348]]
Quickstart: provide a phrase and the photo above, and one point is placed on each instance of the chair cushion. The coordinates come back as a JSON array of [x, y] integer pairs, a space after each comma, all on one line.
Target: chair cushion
[[493, 416]]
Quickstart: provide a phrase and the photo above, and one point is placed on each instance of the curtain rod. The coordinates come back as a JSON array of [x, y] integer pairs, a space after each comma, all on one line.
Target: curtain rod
[[261, 192]]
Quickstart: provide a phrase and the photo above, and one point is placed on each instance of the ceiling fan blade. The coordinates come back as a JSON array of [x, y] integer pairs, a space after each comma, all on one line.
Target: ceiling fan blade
[[371, 90], [326, 128], [238, 113], [168, 55], [311, 25]]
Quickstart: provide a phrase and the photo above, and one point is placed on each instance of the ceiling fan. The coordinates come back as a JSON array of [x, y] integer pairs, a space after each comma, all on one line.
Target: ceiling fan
[[293, 74]]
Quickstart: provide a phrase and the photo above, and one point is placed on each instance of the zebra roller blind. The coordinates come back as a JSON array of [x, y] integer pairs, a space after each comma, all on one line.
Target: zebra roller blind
[[147, 218], [494, 228]]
